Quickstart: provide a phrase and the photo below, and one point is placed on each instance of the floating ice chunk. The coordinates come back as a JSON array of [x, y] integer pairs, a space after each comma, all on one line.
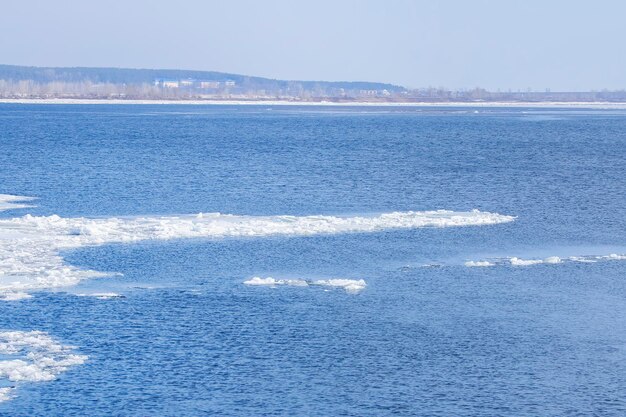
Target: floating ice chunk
[[12, 202], [271, 282], [261, 281], [102, 295], [521, 262], [614, 257], [552, 260], [349, 285], [478, 263], [33, 357], [582, 259], [6, 394], [14, 296]]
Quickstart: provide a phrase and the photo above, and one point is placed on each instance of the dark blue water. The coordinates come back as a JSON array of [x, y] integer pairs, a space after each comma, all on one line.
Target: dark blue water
[[190, 339]]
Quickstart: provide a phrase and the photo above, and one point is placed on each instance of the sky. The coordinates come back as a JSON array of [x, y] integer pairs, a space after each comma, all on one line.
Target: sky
[[500, 44]]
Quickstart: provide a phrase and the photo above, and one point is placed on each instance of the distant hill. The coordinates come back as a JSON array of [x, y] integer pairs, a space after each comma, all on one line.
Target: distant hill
[[21, 82], [42, 75]]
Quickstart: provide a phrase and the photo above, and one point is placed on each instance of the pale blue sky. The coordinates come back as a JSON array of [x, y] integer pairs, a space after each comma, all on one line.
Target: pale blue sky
[[557, 44]]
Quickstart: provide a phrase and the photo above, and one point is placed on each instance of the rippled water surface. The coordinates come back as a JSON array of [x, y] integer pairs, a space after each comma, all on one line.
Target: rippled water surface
[[427, 335]]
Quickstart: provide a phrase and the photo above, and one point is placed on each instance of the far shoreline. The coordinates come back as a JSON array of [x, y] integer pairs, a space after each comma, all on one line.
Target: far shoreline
[[475, 104]]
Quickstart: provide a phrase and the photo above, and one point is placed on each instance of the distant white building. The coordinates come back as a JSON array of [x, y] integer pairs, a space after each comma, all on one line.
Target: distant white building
[[190, 82], [167, 83], [210, 84]]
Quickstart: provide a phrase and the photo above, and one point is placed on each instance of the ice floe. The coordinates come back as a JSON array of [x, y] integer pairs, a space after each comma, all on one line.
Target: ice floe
[[526, 262], [614, 257], [14, 295], [272, 281], [551, 260], [33, 357], [12, 202], [6, 394], [102, 295], [478, 263], [349, 285], [30, 246]]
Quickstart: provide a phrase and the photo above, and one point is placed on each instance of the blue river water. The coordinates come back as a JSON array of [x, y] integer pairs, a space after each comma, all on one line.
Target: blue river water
[[429, 335]]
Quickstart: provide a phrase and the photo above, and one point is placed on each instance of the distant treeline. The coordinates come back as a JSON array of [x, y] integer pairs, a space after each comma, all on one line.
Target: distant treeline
[[19, 81], [122, 83], [479, 94]]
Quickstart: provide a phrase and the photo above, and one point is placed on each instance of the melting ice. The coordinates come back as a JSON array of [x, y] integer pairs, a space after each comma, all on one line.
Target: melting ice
[[30, 245]]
